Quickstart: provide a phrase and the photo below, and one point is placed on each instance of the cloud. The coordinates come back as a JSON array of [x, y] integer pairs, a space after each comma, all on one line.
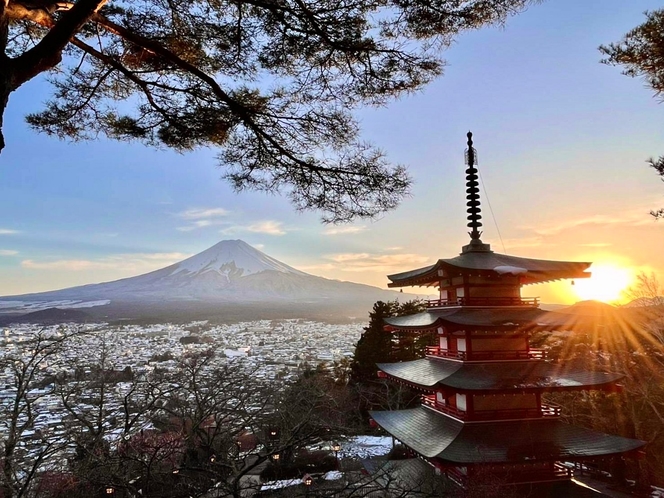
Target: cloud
[[8, 252], [8, 231], [268, 227], [597, 244], [349, 257], [358, 262], [134, 262], [634, 218], [201, 224], [160, 256], [64, 264], [536, 241], [321, 267], [202, 217], [203, 213], [206, 217], [343, 230]]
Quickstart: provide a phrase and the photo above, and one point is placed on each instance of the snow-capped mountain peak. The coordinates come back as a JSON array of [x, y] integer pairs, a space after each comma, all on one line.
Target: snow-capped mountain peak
[[232, 258], [229, 274]]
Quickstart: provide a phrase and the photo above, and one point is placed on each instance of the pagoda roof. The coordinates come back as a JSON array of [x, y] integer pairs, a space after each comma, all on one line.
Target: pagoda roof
[[485, 317], [412, 477], [529, 270], [504, 376], [434, 435]]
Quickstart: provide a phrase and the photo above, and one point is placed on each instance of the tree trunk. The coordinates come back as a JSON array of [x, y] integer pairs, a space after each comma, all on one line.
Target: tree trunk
[[5, 69], [5, 90]]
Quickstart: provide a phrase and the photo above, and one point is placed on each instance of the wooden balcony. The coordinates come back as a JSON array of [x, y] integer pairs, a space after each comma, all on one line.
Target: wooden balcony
[[531, 354], [484, 301], [430, 401], [547, 410], [513, 474]]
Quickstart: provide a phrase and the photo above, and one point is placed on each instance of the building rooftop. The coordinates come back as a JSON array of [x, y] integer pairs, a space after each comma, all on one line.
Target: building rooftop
[[489, 263]]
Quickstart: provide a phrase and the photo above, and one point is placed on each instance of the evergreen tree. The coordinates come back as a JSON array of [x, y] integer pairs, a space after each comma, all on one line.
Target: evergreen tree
[[641, 53], [378, 345], [375, 344]]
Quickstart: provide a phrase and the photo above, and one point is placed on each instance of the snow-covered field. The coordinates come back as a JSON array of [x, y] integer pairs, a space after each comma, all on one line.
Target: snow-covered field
[[366, 447]]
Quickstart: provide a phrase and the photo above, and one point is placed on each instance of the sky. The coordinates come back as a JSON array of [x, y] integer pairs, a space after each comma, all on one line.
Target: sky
[[562, 143]]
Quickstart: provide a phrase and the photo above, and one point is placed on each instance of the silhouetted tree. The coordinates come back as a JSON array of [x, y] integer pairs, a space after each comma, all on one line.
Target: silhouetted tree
[[272, 83], [375, 343], [379, 344]]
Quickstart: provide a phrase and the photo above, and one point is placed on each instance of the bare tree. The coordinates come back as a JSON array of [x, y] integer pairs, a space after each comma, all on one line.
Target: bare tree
[[237, 426], [110, 414], [204, 428], [26, 452]]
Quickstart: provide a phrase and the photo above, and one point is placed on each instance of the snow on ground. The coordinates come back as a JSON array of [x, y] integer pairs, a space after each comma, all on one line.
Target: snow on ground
[[366, 447], [88, 304], [280, 484], [234, 353], [11, 304], [352, 447], [29, 306]]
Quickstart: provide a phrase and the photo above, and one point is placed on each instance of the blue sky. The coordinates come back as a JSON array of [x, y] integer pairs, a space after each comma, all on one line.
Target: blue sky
[[562, 142]]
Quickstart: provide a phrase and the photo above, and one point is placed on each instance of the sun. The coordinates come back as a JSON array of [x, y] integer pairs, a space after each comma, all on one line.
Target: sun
[[606, 284]]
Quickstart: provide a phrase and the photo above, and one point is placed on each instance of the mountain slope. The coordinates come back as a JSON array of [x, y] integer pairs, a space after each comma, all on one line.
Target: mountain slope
[[229, 272], [205, 274]]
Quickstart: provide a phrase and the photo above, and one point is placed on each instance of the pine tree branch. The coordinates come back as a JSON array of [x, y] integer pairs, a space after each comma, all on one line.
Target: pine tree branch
[[48, 52], [234, 106]]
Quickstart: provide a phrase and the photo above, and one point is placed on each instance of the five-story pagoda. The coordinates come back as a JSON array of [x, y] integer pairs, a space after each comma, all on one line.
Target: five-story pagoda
[[482, 411]]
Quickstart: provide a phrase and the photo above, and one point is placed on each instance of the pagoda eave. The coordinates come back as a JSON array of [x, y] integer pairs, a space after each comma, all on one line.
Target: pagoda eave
[[525, 376], [487, 318], [489, 264], [434, 435]]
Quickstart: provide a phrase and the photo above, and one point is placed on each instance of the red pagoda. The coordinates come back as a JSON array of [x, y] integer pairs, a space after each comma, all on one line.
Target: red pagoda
[[482, 411]]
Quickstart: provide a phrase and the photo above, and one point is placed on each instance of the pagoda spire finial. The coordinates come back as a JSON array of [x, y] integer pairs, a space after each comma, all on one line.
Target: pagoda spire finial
[[472, 191], [473, 197]]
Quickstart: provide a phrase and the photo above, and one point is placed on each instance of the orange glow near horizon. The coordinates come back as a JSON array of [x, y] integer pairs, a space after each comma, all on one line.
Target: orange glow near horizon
[[607, 283]]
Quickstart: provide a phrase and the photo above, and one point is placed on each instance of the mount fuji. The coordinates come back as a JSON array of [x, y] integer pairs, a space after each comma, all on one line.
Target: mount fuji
[[230, 277]]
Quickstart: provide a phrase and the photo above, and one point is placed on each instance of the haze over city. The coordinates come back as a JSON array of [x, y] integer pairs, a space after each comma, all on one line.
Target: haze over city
[[562, 143]]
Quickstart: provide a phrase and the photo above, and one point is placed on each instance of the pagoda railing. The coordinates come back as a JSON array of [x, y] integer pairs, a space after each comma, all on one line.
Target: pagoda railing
[[530, 354], [457, 476], [484, 301], [509, 474], [547, 410], [551, 410], [430, 401]]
